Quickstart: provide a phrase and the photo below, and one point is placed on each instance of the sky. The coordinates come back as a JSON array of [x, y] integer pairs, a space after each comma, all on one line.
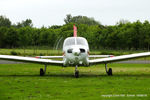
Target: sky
[[53, 12]]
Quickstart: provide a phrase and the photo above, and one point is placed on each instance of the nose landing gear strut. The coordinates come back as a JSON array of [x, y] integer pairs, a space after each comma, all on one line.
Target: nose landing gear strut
[[76, 72]]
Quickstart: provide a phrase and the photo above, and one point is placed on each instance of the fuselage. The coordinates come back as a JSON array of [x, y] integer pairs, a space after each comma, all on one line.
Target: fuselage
[[76, 51]]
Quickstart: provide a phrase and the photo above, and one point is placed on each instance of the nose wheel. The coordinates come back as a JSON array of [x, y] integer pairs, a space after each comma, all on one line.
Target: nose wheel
[[76, 72]]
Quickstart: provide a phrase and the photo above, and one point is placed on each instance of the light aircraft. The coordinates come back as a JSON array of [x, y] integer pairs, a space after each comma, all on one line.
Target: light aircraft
[[76, 53]]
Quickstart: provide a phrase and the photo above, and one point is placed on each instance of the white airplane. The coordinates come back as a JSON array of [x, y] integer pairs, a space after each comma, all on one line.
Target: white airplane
[[76, 53]]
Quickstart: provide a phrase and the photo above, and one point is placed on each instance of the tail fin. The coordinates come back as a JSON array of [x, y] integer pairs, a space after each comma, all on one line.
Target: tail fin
[[75, 31]]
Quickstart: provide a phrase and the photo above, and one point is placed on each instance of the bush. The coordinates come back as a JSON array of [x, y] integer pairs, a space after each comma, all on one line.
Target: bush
[[105, 53], [41, 54], [13, 53]]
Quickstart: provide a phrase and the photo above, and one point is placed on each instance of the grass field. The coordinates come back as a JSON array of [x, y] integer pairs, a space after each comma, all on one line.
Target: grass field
[[22, 82], [30, 52]]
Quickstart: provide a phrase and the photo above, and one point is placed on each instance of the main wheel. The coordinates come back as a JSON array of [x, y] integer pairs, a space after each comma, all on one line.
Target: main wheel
[[109, 72], [41, 72], [77, 74]]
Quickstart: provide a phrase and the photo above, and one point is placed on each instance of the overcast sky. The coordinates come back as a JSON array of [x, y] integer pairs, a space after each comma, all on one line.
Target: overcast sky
[[53, 12]]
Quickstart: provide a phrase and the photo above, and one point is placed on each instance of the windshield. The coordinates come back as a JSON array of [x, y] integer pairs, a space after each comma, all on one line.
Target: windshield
[[75, 41], [69, 41], [81, 41]]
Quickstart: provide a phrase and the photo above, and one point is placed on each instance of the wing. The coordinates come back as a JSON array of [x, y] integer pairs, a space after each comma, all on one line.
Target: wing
[[31, 60], [119, 58], [100, 56], [49, 56]]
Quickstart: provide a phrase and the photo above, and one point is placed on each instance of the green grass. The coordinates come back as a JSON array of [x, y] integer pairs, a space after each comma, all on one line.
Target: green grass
[[22, 82], [30, 52]]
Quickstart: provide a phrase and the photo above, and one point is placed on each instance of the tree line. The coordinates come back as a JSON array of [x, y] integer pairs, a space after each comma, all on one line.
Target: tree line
[[123, 35]]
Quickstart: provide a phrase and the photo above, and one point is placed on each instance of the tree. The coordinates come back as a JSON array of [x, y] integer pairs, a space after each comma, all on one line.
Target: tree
[[3, 31], [55, 27], [27, 22], [24, 37], [146, 30], [11, 38], [81, 20], [4, 21], [68, 18], [122, 22]]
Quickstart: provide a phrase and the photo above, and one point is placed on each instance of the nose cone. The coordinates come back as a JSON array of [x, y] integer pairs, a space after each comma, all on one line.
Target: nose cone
[[76, 51]]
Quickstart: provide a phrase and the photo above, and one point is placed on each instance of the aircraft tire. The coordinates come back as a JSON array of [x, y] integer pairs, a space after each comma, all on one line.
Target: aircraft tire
[[77, 74], [41, 72], [110, 72]]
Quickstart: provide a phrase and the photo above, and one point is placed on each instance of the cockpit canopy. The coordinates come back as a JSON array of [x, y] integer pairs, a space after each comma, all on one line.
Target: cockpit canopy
[[75, 41]]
